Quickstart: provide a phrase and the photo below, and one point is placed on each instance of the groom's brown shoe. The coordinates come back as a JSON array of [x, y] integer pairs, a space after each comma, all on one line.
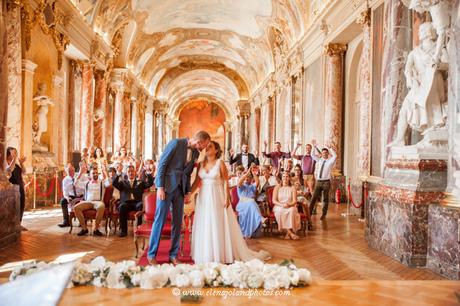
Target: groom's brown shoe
[[174, 261], [152, 261]]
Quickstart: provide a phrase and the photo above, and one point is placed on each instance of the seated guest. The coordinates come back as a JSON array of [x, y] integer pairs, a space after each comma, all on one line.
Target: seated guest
[[289, 167], [249, 215], [131, 190], [285, 209], [276, 155], [70, 192], [235, 177], [301, 191], [297, 174], [99, 158], [244, 158], [266, 179], [112, 173], [93, 199], [85, 158]]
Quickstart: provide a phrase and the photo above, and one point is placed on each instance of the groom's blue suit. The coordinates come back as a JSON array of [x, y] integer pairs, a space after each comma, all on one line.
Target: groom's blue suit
[[174, 175]]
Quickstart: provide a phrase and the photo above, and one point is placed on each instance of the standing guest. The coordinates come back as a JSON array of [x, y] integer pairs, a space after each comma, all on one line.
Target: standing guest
[[325, 162], [93, 199], [99, 158], [289, 167], [70, 192], [85, 156], [249, 215], [131, 190], [308, 167], [297, 174], [244, 158], [276, 155], [15, 169], [285, 209]]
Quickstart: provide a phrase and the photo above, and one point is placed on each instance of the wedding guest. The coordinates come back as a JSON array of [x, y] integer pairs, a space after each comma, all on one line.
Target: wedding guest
[[289, 167], [112, 173], [266, 179], [70, 192], [308, 166], [93, 199], [276, 155], [85, 156], [285, 209], [131, 191], [14, 170], [297, 173], [99, 158], [325, 163], [236, 176], [249, 215], [244, 158]]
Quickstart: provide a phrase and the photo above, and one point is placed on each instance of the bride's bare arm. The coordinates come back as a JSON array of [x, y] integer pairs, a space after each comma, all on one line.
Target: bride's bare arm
[[196, 182], [224, 175]]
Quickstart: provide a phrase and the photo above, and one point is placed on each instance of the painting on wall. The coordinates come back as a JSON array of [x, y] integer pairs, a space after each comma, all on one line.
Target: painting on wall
[[200, 114]]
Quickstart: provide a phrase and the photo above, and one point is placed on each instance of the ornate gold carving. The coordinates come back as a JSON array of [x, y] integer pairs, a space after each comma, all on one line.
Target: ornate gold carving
[[335, 49], [48, 17], [364, 18], [12, 4]]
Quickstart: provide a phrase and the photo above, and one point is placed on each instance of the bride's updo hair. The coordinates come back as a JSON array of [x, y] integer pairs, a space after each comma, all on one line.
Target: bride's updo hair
[[217, 147]]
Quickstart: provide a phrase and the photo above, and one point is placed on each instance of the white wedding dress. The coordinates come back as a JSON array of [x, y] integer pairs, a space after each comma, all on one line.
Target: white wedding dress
[[216, 234]]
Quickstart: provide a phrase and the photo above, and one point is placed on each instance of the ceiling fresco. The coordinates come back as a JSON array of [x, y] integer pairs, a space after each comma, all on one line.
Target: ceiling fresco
[[223, 49]]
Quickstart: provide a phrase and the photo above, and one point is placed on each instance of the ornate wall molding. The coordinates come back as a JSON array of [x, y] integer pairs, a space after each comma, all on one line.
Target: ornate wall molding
[[335, 49]]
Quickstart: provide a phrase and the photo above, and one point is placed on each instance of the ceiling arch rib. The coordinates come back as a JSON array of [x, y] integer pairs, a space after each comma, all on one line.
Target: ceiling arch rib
[[177, 108]]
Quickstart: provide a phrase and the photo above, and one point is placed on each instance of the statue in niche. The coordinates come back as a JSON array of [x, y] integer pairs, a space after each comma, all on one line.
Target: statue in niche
[[425, 107], [40, 126]]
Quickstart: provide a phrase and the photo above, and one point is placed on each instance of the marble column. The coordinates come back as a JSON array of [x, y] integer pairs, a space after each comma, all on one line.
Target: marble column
[[364, 96], [87, 106], [161, 132], [396, 45], [175, 128], [126, 124], [28, 70], [100, 110], [149, 130], [118, 116], [134, 123], [9, 194], [333, 112], [13, 29], [228, 137], [57, 121]]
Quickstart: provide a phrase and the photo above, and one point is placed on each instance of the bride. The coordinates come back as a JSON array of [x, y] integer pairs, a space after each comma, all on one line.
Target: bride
[[216, 234]]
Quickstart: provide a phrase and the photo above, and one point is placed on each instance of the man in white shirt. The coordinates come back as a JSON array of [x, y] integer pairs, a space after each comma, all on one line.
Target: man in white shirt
[[71, 190], [93, 199], [324, 165]]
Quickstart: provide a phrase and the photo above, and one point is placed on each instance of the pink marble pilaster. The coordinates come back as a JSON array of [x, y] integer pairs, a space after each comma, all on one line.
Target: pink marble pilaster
[[100, 107], [364, 96], [118, 116], [87, 106], [126, 124], [333, 111], [14, 60]]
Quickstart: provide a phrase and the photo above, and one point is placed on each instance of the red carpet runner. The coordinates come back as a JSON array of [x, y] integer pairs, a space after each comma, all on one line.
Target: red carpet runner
[[163, 253]]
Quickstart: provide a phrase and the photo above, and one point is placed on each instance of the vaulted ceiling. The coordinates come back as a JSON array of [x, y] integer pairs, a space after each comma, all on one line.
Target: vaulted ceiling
[[179, 49]]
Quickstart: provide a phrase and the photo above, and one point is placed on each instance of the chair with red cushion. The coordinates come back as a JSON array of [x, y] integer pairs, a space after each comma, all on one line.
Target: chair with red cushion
[[115, 215], [271, 215], [90, 214], [304, 216]]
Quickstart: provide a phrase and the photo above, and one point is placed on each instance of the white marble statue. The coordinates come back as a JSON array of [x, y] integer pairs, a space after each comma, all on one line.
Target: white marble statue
[[440, 15], [43, 102], [425, 107]]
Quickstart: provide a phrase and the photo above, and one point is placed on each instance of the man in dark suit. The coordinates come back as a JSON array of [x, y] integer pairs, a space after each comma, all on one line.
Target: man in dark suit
[[131, 190], [244, 158]]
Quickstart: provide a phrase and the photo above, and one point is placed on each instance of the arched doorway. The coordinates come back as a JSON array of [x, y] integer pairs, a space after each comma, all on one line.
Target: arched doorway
[[200, 114]]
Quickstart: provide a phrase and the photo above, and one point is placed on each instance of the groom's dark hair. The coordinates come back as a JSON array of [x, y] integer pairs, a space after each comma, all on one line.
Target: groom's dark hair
[[202, 135]]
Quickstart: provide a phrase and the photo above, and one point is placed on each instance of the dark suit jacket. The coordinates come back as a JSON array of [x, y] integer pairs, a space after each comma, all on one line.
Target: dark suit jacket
[[173, 171], [238, 159], [138, 188]]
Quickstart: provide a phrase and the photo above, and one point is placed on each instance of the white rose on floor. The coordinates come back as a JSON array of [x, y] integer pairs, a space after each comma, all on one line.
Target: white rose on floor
[[196, 278], [114, 279], [294, 277], [255, 265], [228, 276], [182, 280], [270, 282], [283, 279], [210, 275], [255, 280], [153, 278], [304, 276], [97, 263]]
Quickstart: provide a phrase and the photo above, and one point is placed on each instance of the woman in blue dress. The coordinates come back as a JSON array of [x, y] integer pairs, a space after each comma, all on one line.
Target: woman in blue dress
[[249, 215]]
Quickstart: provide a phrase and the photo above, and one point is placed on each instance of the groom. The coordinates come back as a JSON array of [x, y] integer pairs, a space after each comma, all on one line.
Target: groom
[[173, 185]]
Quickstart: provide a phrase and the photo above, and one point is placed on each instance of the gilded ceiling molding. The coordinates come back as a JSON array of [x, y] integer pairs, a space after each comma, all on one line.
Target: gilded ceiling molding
[[364, 19], [48, 16], [335, 49]]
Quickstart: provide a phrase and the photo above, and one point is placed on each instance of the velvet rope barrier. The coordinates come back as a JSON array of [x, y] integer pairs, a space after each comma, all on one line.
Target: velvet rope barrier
[[351, 198], [48, 192]]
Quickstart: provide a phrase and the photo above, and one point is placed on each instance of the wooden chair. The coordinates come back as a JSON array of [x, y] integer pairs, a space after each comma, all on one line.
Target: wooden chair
[[90, 214], [271, 215], [234, 199], [144, 230]]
